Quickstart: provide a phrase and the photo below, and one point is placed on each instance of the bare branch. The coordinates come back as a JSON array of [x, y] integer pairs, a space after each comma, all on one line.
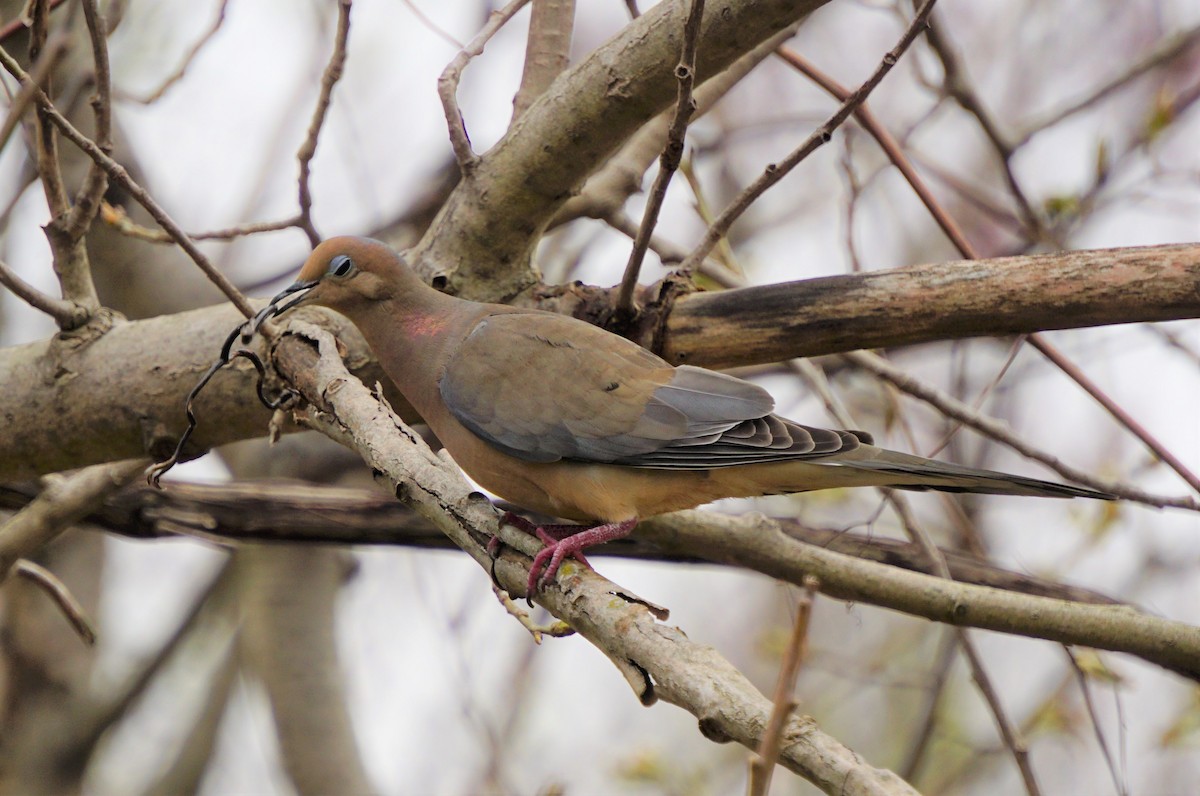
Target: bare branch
[[64, 501], [55, 48], [658, 661], [57, 591], [685, 106], [194, 51], [999, 431], [308, 149], [777, 171], [67, 314], [960, 91], [117, 173], [1123, 417], [1166, 51], [763, 545], [547, 51], [452, 74], [90, 194], [763, 764]]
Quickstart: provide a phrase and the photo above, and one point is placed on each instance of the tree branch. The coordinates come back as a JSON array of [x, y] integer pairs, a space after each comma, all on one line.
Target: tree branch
[[161, 358], [480, 243]]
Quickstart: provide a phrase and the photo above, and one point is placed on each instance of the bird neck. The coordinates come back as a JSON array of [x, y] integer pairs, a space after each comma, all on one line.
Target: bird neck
[[413, 334]]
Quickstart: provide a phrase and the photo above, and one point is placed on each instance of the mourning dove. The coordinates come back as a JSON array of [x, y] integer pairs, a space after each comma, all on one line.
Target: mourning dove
[[566, 419]]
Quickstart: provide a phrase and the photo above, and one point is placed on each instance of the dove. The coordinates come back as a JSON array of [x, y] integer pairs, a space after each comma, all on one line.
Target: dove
[[568, 420]]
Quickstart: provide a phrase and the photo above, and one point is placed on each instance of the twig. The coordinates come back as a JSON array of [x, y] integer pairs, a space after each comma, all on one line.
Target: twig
[[957, 410], [776, 171], [90, 194], [941, 569], [452, 74], [764, 545], [429, 23], [943, 219], [179, 73], [62, 597], [45, 142], [887, 142], [1166, 51], [118, 174], [762, 766], [922, 738], [1082, 676], [960, 91], [20, 23], [329, 79], [117, 218], [547, 51], [55, 48], [1124, 418], [67, 314], [65, 500], [685, 106]]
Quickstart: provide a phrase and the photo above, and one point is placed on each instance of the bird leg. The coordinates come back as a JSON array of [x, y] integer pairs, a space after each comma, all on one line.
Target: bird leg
[[561, 541], [540, 572]]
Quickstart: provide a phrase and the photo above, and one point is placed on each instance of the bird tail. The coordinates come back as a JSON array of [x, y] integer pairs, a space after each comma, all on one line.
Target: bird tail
[[926, 474]]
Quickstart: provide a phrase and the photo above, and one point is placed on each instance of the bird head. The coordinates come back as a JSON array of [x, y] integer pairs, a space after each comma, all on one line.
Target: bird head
[[341, 273]]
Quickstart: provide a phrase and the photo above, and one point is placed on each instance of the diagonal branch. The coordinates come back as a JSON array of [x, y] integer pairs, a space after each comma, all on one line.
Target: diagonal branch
[[659, 661]]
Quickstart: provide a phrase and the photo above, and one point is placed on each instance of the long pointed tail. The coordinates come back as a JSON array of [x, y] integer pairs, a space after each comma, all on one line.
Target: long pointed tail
[[946, 477]]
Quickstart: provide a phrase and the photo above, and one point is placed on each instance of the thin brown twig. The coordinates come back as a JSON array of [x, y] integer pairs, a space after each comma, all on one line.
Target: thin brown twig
[[762, 764], [431, 25], [117, 218], [672, 154], [448, 81], [1165, 52], [57, 591], [777, 171], [922, 738], [192, 53], [308, 149], [1118, 781], [940, 568], [1123, 417], [887, 142], [45, 139], [56, 46], [1009, 733], [957, 410], [21, 23], [90, 194], [119, 175], [957, 87], [67, 314]]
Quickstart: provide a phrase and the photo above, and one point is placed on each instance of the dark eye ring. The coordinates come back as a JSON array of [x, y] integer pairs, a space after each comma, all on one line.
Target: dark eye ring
[[340, 265]]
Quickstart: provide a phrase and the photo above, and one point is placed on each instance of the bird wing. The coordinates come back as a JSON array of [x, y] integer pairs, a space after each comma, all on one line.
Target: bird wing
[[543, 387]]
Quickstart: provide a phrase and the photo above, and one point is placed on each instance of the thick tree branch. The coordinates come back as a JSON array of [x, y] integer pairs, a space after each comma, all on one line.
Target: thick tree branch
[[481, 241], [307, 513], [760, 544], [919, 304], [137, 374], [659, 661]]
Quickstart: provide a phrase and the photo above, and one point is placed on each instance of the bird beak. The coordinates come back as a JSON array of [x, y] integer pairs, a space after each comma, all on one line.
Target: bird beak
[[278, 304]]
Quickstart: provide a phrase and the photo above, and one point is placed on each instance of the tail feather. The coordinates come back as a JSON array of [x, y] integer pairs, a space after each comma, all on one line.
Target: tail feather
[[947, 477]]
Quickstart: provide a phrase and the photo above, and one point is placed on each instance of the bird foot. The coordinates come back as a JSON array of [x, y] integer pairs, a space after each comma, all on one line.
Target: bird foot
[[547, 562]]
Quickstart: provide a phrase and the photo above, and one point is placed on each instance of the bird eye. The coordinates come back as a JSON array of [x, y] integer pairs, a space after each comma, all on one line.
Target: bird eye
[[340, 265]]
